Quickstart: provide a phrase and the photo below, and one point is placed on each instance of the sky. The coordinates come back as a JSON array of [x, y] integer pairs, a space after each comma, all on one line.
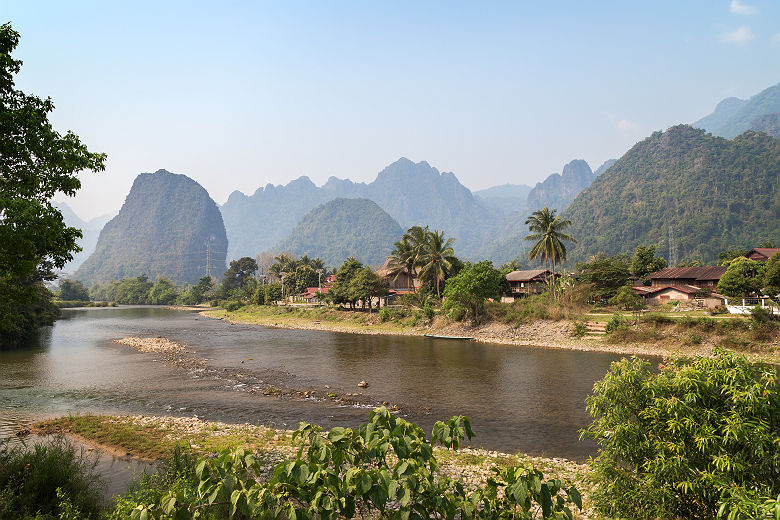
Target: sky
[[237, 95]]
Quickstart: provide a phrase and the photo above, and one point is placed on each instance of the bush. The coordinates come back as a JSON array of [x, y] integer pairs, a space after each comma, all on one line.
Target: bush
[[177, 475], [679, 443], [616, 322], [579, 329], [232, 305], [47, 481], [385, 468]]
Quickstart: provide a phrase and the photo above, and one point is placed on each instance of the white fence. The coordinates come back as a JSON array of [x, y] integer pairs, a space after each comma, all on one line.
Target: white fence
[[743, 305]]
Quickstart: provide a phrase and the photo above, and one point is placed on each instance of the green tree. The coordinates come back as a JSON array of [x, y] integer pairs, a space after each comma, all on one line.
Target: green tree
[[304, 276], [645, 262], [273, 293], [403, 259], [340, 292], [547, 230], [35, 163], [238, 275], [627, 298], [73, 290], [771, 282], [744, 277], [725, 257], [130, 291], [472, 286], [436, 259], [366, 285], [604, 274], [163, 292], [675, 443]]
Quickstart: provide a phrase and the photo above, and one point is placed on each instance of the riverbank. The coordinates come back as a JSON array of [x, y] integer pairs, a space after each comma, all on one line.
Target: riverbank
[[154, 438], [660, 339]]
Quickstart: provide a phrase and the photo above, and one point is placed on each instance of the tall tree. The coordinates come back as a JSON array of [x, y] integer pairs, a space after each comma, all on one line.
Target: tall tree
[[437, 258], [35, 163], [547, 230], [645, 262]]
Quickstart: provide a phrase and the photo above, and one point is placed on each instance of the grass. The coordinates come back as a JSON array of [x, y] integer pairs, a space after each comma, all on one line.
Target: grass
[[157, 438], [48, 481]]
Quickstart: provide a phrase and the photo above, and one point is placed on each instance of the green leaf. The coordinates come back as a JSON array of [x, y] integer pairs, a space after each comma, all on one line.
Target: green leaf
[[575, 496], [546, 500]]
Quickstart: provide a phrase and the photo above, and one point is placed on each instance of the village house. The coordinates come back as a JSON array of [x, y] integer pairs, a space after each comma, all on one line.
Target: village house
[[312, 294], [695, 284], [762, 254], [528, 282], [705, 277]]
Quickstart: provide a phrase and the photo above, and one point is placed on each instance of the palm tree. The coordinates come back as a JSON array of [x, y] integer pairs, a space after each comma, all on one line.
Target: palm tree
[[437, 258], [547, 229], [402, 259]]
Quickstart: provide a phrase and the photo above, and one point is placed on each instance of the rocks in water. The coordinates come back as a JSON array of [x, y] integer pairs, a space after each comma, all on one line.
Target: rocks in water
[[363, 384]]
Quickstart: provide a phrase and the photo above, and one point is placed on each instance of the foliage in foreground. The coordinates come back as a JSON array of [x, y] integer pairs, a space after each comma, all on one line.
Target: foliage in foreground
[[47, 481], [385, 468], [699, 439]]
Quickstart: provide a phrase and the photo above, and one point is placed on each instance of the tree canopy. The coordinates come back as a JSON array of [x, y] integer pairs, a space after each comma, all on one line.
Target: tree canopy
[[35, 163]]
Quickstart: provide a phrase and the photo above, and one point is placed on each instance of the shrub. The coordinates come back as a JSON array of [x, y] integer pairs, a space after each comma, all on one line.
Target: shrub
[[47, 481], [579, 329], [232, 305], [385, 468], [679, 443], [616, 322]]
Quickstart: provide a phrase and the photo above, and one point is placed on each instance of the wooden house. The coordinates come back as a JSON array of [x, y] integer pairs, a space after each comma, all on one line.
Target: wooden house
[[762, 254], [398, 283], [705, 277], [528, 282]]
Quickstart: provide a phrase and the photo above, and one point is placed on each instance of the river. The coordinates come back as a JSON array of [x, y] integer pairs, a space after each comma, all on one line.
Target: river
[[518, 398]]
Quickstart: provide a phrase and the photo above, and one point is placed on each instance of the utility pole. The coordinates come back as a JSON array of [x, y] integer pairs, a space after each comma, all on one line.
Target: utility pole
[[208, 258], [672, 248]]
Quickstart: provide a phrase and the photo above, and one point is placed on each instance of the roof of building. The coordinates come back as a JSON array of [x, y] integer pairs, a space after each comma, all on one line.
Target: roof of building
[[767, 252], [707, 272], [388, 270], [688, 289], [527, 275]]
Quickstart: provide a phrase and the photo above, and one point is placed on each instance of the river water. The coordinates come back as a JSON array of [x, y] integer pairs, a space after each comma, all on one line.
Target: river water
[[518, 398]]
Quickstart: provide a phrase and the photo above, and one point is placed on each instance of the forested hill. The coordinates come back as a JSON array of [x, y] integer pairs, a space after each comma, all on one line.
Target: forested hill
[[168, 226], [342, 228], [733, 116], [412, 193], [715, 193]]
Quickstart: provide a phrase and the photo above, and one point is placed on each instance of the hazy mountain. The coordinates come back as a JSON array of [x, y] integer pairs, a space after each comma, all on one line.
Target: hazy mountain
[[90, 231], [604, 167], [769, 124], [412, 193], [723, 111], [733, 116], [558, 190], [168, 226], [341, 228], [505, 198], [715, 193]]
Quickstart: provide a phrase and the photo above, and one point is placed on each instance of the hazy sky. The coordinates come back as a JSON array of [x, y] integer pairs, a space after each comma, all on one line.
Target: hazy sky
[[240, 94]]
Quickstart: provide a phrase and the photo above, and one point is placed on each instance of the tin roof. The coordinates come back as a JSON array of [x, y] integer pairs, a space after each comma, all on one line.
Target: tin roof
[[527, 275], [768, 252], [707, 272]]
